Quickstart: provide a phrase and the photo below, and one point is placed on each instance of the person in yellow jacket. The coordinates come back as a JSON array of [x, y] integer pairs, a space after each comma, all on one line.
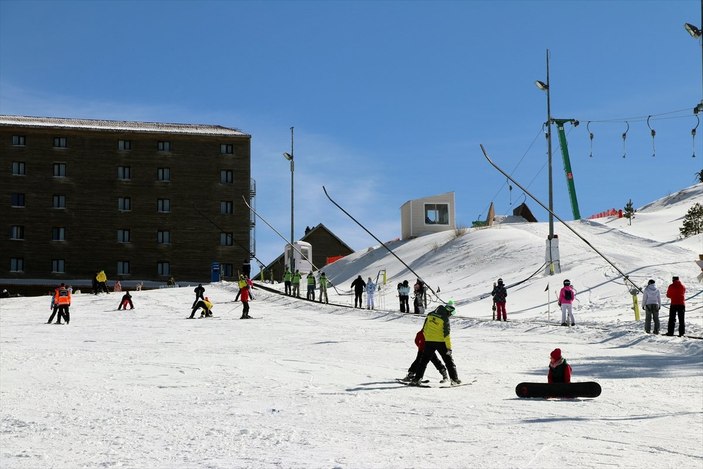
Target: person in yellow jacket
[[296, 283], [206, 305], [287, 277], [436, 330], [102, 281]]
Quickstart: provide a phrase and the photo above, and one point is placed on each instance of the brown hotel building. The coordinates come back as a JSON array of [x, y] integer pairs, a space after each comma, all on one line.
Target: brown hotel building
[[143, 201]]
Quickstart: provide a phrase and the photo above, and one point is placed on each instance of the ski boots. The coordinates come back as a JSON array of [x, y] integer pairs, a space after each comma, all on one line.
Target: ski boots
[[445, 377]]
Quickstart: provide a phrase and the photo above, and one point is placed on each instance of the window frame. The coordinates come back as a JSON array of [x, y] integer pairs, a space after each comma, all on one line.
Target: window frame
[[124, 145], [17, 232], [58, 233], [163, 205], [60, 142], [163, 174], [124, 268], [124, 235], [59, 170], [433, 214], [19, 168], [58, 266], [124, 173], [19, 140], [164, 146], [227, 176], [18, 200], [58, 201], [163, 237], [124, 204], [17, 264]]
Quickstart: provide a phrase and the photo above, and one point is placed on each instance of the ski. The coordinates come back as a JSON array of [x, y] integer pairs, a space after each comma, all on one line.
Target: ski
[[407, 381], [381, 242], [425, 384], [627, 279]]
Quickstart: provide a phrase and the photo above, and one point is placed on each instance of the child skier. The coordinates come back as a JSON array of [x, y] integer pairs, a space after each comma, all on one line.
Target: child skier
[[500, 294], [126, 300], [559, 370], [420, 342], [566, 298], [206, 306]]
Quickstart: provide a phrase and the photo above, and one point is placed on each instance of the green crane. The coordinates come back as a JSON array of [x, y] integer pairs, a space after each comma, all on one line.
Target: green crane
[[567, 163]]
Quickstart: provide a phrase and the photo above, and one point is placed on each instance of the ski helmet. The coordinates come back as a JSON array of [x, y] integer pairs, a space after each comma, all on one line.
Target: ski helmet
[[450, 307], [567, 283], [500, 281]]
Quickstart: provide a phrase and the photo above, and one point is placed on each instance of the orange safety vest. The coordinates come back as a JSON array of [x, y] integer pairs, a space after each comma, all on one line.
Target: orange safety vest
[[62, 296]]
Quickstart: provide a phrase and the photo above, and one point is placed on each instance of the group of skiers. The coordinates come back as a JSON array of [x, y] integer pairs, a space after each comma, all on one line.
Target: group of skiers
[[651, 299], [291, 282]]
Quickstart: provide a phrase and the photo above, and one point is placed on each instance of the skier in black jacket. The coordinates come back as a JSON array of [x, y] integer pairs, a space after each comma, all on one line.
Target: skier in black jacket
[[358, 285]]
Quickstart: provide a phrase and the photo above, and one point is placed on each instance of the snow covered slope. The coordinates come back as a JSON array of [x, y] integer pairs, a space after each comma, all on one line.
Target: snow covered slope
[[312, 386]]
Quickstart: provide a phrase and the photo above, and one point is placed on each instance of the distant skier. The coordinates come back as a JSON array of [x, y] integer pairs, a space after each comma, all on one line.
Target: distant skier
[[102, 282], [206, 307], [324, 283], [419, 301], [500, 294], [199, 293], [651, 299], [126, 301], [420, 343], [358, 285], [370, 291], [310, 279], [404, 293], [287, 276], [295, 281], [676, 293], [245, 297], [566, 298], [436, 330], [559, 370], [61, 305]]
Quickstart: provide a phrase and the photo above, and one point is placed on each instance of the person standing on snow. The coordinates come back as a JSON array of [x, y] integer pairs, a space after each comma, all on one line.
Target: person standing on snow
[[404, 293], [102, 282], [559, 370], [245, 297], [295, 281], [370, 290], [324, 282], [311, 286], [61, 304], [199, 294], [566, 297], [358, 285], [420, 342], [420, 300], [651, 299], [676, 293], [436, 330], [499, 295], [287, 276]]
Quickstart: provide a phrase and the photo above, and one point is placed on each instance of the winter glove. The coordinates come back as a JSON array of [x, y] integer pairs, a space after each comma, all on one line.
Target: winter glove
[[449, 353]]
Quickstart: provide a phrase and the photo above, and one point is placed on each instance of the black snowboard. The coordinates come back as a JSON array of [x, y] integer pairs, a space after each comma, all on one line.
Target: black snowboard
[[587, 389]]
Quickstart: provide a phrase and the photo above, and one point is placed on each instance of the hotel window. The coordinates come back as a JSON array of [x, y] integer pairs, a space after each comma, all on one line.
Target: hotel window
[[18, 168], [163, 174], [226, 176], [124, 173], [19, 140], [124, 144], [163, 205], [58, 266], [17, 232], [164, 145], [436, 214], [226, 239], [163, 237], [59, 170], [58, 233], [123, 268], [17, 199], [16, 264], [227, 270], [123, 236], [226, 207], [58, 201], [60, 142], [163, 268], [124, 204], [227, 149]]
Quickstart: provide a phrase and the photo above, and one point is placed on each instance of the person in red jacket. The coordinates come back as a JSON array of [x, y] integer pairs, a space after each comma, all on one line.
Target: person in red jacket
[[675, 293], [244, 297], [420, 342], [559, 370]]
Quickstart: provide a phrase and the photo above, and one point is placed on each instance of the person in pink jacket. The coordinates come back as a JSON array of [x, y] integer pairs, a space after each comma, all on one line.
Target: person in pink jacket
[[567, 295]]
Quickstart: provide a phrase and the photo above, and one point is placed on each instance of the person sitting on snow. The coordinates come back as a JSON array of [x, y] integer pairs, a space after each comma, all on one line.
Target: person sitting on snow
[[559, 370]]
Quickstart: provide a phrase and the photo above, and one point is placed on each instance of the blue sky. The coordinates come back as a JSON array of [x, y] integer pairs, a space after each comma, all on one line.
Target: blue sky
[[389, 100]]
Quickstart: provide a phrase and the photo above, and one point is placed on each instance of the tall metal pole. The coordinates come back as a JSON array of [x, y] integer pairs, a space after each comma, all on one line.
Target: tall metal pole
[[292, 202], [549, 154]]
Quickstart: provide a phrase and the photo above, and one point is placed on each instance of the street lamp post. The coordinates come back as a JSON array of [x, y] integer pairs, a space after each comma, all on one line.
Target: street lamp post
[[545, 87], [696, 33], [289, 157]]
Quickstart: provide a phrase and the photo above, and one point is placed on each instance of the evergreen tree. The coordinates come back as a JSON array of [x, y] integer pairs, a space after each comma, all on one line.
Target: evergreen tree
[[629, 211], [699, 176], [693, 221]]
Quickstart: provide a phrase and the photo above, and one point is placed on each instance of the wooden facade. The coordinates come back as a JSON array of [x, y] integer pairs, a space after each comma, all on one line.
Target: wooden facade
[[324, 244], [142, 201]]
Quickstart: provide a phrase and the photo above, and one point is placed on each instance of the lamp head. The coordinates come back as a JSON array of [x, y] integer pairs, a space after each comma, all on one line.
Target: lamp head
[[541, 85], [692, 30], [288, 156]]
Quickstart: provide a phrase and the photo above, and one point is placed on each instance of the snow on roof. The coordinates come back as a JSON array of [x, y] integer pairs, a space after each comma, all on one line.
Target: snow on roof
[[128, 126]]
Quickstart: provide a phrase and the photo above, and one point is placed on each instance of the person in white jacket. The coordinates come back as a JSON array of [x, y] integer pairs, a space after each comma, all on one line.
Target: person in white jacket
[[370, 290], [651, 299]]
